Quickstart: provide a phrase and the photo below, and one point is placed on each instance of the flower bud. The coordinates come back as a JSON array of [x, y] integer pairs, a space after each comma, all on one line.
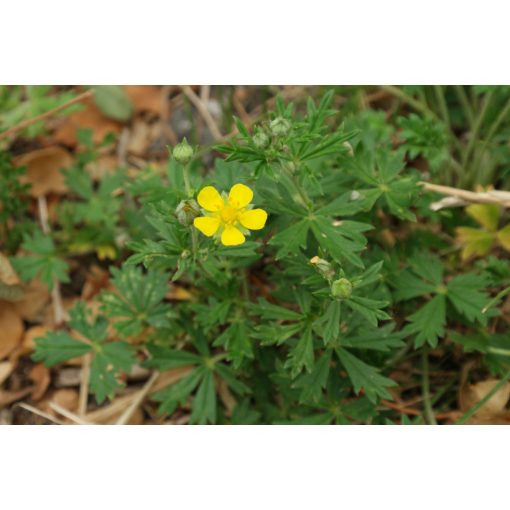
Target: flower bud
[[323, 267], [260, 140], [187, 211], [341, 288], [279, 126], [183, 152]]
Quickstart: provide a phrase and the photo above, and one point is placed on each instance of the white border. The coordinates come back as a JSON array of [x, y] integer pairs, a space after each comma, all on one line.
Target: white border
[[255, 42], [254, 467]]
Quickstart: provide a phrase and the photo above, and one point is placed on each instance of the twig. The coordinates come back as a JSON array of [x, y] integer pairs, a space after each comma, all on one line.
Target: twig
[[58, 308], [427, 404], [128, 413], [84, 385], [43, 116], [501, 198], [203, 110], [68, 414], [40, 413]]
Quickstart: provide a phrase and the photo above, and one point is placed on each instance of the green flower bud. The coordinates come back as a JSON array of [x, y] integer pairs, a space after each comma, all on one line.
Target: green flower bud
[[187, 211], [260, 140], [341, 289], [323, 267], [183, 152], [279, 126]]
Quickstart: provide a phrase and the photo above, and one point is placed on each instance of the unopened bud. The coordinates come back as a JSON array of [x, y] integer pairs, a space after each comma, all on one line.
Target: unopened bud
[[260, 140], [341, 289], [187, 211], [183, 152], [323, 267], [279, 126]]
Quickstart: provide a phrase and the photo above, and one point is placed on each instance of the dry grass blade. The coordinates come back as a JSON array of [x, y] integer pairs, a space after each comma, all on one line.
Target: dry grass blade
[[22, 125], [128, 413], [204, 112]]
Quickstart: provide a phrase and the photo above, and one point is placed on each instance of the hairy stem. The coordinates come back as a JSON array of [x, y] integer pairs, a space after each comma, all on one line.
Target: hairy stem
[[427, 404]]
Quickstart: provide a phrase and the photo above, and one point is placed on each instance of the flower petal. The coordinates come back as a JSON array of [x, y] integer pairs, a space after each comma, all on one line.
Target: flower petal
[[232, 236], [240, 196], [207, 225], [210, 199], [254, 219]]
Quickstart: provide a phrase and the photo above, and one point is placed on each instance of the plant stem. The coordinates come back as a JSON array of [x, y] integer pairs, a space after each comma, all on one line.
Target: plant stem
[[442, 104], [187, 189], [492, 130], [483, 401], [411, 101], [466, 106], [185, 174], [476, 128], [427, 404], [302, 193]]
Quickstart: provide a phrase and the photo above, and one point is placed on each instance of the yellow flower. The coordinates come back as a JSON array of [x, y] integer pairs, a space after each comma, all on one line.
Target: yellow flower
[[230, 217]]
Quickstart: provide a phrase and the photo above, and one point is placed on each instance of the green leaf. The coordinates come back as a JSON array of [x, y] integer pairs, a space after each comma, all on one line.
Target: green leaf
[[58, 346], [429, 267], [409, 286], [381, 339], [266, 310], [365, 376], [331, 321], [291, 239], [236, 342], [137, 301], [179, 392], [164, 358], [111, 359], [113, 102], [203, 409], [43, 263], [336, 242], [301, 356], [466, 295], [369, 308], [428, 322], [313, 383]]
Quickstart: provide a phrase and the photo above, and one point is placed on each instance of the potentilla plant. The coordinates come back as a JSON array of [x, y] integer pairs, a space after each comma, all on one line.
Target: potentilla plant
[[289, 311]]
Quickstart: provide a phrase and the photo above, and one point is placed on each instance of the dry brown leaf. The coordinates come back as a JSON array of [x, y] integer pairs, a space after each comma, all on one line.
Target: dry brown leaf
[[66, 398], [40, 376], [43, 170], [28, 344], [7, 273], [88, 118], [6, 368], [36, 298], [10, 285], [179, 293], [139, 138], [11, 329], [145, 98], [471, 394]]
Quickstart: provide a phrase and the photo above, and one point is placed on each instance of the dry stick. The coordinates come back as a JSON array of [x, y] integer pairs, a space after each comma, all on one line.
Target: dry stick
[[84, 385], [68, 414], [204, 112], [43, 116], [128, 413], [483, 197], [56, 297], [38, 412]]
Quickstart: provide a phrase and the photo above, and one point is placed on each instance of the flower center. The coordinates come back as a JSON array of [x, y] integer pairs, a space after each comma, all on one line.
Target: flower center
[[228, 215]]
